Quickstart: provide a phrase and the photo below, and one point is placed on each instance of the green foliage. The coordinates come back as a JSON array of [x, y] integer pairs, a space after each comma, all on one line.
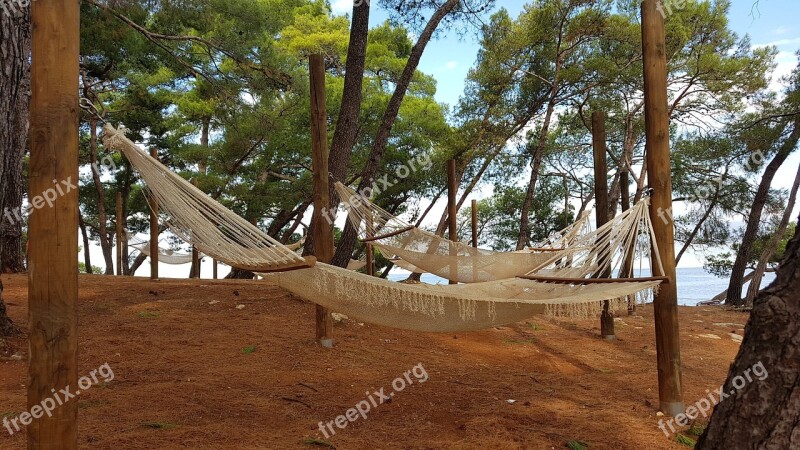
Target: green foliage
[[577, 445]]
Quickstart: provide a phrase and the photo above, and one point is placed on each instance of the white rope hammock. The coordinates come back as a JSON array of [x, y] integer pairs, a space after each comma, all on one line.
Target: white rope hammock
[[222, 234]]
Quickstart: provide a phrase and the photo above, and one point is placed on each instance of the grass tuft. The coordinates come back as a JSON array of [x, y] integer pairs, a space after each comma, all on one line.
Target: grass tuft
[[685, 440], [696, 429], [249, 349], [159, 425], [577, 445], [149, 314], [319, 443]]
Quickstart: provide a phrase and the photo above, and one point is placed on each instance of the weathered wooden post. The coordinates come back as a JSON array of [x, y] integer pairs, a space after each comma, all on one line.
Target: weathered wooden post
[[52, 229], [322, 229], [659, 179], [474, 223], [452, 189], [154, 229], [119, 233], [601, 209], [214, 265], [195, 253]]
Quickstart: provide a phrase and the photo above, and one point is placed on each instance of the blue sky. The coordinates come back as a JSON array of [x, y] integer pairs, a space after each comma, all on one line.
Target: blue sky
[[449, 58]]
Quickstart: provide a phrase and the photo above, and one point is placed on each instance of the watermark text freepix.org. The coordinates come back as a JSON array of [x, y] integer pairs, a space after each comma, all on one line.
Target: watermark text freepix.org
[[373, 400], [103, 373], [705, 405], [50, 195], [421, 162]]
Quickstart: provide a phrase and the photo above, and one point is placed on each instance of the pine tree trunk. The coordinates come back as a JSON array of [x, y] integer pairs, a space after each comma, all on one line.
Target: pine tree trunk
[[524, 237], [347, 241], [773, 243], [15, 46], [87, 257], [102, 229], [347, 125], [765, 412], [754, 220], [7, 327]]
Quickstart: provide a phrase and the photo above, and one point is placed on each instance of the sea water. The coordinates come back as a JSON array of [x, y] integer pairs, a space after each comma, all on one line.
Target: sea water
[[694, 283]]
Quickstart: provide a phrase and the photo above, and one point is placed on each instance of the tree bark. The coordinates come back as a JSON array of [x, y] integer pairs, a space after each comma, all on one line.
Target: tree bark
[[348, 239], [773, 243], [524, 237], [346, 132], [754, 220], [102, 226], [87, 258], [15, 47], [7, 327], [765, 412]]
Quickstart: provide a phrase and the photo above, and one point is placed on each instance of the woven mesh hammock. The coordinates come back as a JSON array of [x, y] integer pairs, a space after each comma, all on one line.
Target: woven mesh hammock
[[220, 233], [568, 254]]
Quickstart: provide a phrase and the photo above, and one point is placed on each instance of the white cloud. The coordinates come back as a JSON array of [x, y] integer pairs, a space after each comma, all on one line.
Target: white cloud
[[780, 42], [342, 6], [781, 30], [450, 65]]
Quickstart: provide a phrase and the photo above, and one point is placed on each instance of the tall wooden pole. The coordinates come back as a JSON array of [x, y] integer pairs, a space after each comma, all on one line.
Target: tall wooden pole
[[475, 223], [53, 244], [215, 268], [452, 189], [195, 253], [154, 229], [323, 231], [119, 233], [601, 207], [656, 117]]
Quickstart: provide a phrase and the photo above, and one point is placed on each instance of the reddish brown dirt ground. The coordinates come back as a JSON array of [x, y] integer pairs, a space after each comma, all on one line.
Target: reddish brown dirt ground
[[193, 371]]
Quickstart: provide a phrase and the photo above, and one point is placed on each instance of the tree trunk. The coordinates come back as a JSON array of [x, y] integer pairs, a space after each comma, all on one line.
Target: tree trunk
[[137, 262], [346, 132], [773, 243], [15, 47], [87, 258], [348, 240], [102, 228], [7, 327], [524, 237], [754, 220], [12, 260], [765, 412], [347, 125], [240, 274]]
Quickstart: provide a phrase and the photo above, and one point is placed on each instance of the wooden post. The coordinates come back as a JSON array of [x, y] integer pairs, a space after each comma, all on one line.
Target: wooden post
[[323, 231], [474, 223], [119, 233], [659, 178], [154, 229], [452, 189], [215, 267], [195, 253], [601, 207], [195, 262], [53, 246]]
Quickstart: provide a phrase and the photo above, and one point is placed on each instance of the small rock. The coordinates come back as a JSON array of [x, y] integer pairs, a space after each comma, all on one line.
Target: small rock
[[736, 337], [338, 317], [511, 402], [659, 414], [213, 302], [239, 306], [709, 336], [236, 293]]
